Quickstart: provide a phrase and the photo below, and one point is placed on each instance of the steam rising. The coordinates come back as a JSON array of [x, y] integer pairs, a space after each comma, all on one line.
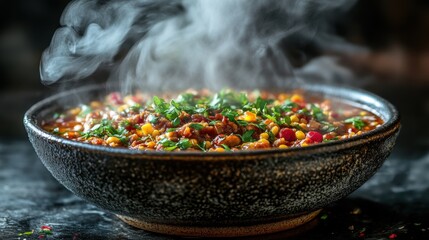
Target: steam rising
[[164, 44]]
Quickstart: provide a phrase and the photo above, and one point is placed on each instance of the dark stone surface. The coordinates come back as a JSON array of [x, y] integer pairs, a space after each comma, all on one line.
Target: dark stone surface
[[394, 201]]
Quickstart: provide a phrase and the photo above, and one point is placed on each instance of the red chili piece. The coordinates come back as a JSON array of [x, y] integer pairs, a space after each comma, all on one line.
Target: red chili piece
[[315, 136], [288, 134]]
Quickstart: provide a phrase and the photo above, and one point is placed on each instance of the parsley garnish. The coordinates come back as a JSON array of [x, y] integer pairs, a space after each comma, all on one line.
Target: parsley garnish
[[171, 129], [230, 114], [184, 144], [196, 126], [226, 147], [105, 128], [317, 113], [169, 145], [242, 123], [356, 121], [175, 122], [247, 136], [212, 123], [202, 146]]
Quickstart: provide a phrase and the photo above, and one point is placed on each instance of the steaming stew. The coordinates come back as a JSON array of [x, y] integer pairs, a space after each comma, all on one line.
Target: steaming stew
[[201, 121]]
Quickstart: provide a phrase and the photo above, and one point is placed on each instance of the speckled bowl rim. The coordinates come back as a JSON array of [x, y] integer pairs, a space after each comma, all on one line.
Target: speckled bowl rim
[[390, 126]]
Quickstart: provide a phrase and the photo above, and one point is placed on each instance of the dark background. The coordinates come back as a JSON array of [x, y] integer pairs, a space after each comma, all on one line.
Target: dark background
[[395, 31]]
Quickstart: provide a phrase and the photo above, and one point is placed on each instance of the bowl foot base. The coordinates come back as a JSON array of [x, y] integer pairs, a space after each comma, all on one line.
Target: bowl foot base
[[231, 231]]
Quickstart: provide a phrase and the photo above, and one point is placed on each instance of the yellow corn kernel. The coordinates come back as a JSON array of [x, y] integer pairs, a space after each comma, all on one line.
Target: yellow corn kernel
[[304, 144], [187, 131], [275, 130], [219, 149], [294, 118], [362, 113], [147, 129], [283, 146], [264, 141], [264, 135], [155, 133], [207, 144], [139, 132], [194, 142], [303, 126], [296, 98], [248, 117], [300, 135], [110, 140], [151, 144]]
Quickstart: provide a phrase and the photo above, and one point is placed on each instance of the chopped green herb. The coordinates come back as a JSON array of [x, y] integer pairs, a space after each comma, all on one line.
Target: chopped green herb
[[230, 114], [196, 126], [356, 121], [328, 127], [176, 122], [261, 104], [247, 136], [105, 127], [202, 146], [212, 123], [170, 148], [260, 125], [171, 129], [317, 113], [167, 143], [184, 144], [285, 120], [226, 147], [271, 136], [160, 105], [242, 123]]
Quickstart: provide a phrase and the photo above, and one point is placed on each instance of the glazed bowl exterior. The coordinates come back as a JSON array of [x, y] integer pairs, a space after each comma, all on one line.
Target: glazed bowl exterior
[[214, 189]]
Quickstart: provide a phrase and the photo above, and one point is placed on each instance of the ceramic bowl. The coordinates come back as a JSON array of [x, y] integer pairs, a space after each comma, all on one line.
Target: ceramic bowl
[[215, 194]]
